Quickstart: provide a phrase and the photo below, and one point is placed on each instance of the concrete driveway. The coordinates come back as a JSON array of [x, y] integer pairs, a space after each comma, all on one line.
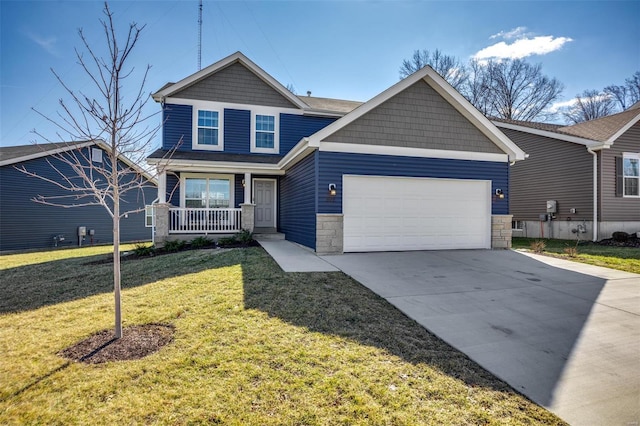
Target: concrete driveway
[[565, 334]]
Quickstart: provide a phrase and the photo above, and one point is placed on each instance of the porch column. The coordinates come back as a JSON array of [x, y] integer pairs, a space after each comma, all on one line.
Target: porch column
[[161, 223], [248, 216], [247, 188], [162, 187]]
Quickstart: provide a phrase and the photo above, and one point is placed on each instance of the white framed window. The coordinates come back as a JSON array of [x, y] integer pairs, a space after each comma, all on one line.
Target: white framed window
[[265, 132], [517, 225], [96, 155], [149, 217], [206, 190], [631, 174], [207, 129]]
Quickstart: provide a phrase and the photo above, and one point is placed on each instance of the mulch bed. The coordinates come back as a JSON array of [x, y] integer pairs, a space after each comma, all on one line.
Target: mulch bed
[[124, 257], [137, 341], [631, 242]]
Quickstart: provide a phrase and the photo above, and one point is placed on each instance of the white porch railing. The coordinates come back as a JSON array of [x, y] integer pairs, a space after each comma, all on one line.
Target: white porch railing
[[204, 221]]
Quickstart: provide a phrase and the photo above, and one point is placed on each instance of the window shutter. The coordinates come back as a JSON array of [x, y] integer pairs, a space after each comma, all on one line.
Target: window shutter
[[619, 177]]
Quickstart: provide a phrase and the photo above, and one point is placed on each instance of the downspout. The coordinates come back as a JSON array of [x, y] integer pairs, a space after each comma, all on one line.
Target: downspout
[[595, 193]]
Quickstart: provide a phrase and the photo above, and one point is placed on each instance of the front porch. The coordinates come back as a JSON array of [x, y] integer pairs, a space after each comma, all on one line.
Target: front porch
[[213, 201], [172, 222]]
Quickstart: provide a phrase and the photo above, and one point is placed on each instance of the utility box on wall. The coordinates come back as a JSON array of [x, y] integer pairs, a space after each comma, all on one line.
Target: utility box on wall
[[552, 206]]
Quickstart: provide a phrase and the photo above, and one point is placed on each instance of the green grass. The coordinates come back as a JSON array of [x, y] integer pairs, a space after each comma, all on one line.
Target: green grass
[[253, 346], [622, 258]]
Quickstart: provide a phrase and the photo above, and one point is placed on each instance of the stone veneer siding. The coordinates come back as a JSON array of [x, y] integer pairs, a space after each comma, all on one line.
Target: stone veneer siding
[[248, 218], [329, 235], [501, 231]]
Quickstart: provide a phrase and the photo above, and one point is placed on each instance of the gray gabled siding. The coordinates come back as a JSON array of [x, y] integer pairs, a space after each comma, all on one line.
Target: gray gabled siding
[[555, 170], [614, 208], [235, 84], [25, 224], [418, 117]]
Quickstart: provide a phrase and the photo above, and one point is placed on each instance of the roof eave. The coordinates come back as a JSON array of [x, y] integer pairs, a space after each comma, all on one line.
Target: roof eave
[[589, 143], [622, 130]]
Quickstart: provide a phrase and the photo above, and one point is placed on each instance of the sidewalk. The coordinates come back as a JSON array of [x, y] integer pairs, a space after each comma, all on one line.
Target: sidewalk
[[293, 257]]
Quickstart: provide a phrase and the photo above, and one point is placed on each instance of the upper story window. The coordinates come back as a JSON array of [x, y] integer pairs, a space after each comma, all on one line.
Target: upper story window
[[631, 174], [264, 133], [208, 130]]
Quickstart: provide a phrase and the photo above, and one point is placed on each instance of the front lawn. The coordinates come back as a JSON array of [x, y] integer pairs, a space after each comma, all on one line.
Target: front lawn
[[252, 346], [622, 258]]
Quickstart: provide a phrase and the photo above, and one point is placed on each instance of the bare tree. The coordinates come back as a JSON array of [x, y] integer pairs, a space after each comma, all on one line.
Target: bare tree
[[477, 87], [511, 88], [291, 88], [589, 106], [110, 117], [627, 94], [449, 67], [518, 90]]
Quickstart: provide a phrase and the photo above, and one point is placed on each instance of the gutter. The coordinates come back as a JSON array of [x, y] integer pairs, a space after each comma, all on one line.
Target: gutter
[[595, 193]]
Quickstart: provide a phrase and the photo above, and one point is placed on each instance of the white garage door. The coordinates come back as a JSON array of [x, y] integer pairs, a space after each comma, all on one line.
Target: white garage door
[[394, 213]]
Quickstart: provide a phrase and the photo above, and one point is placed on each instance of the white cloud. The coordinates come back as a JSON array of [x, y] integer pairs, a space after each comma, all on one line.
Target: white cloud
[[562, 105], [557, 106], [522, 48], [48, 44], [508, 35]]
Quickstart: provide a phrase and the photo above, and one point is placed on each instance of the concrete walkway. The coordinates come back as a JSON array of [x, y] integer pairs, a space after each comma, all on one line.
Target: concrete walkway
[[295, 258], [565, 334]]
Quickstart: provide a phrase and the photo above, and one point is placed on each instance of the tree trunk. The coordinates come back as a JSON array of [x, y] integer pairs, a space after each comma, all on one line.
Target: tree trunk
[[116, 274]]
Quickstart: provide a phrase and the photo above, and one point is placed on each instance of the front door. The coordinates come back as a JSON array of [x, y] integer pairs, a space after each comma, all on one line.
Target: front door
[[264, 196]]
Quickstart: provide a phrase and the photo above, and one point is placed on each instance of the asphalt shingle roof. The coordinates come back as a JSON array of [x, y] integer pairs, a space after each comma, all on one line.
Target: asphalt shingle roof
[[601, 129], [12, 152], [216, 156], [330, 105]]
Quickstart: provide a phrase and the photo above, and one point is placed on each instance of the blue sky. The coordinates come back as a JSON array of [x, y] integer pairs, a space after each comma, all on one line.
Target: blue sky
[[341, 49]]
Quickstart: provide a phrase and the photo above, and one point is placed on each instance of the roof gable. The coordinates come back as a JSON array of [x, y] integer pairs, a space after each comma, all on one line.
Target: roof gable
[[598, 133], [436, 85], [417, 117], [16, 154], [233, 79], [606, 129]]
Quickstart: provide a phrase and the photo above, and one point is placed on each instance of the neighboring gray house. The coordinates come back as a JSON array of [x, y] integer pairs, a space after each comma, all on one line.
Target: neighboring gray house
[[589, 172], [25, 224]]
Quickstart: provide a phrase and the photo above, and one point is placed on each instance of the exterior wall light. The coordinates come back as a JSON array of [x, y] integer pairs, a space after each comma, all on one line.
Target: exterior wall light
[[332, 189], [499, 193], [244, 184]]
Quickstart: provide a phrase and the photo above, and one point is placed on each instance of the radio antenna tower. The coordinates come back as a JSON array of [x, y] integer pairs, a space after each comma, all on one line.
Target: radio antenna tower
[[200, 36]]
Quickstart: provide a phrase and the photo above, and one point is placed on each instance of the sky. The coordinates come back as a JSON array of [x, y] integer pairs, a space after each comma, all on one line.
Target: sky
[[345, 49]]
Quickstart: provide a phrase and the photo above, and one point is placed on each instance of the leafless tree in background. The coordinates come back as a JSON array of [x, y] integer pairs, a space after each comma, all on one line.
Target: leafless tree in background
[[590, 105], [509, 88], [477, 87], [106, 114], [449, 67], [627, 94], [518, 90]]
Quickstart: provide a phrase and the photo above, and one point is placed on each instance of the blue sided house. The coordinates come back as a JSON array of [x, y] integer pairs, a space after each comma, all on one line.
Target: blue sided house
[[25, 224], [415, 168]]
